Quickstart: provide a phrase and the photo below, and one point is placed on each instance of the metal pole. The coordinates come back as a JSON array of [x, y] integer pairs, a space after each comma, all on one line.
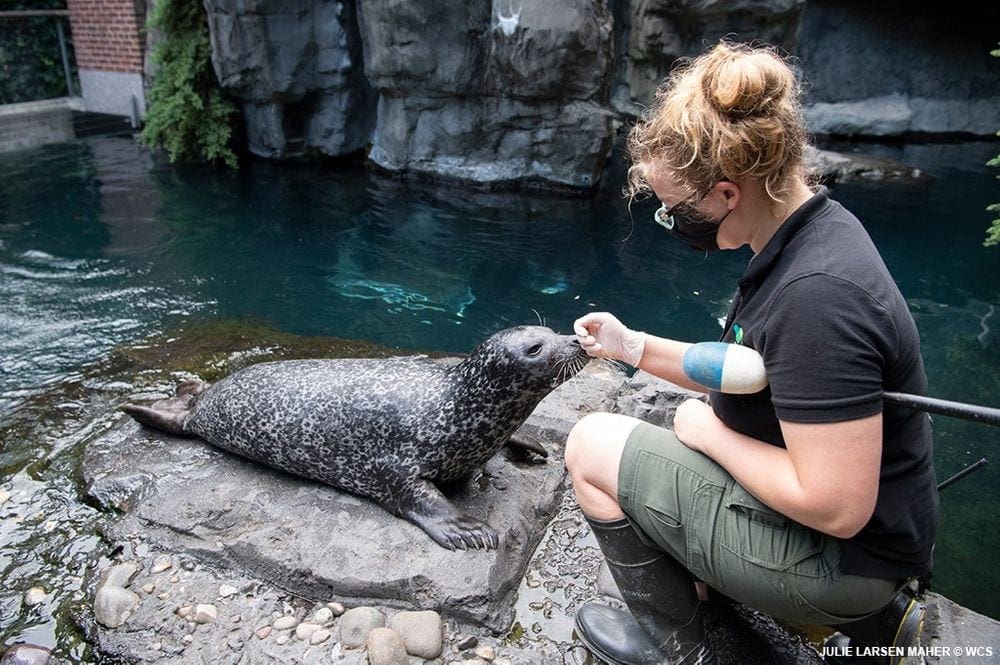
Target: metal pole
[[65, 57], [980, 414], [962, 474]]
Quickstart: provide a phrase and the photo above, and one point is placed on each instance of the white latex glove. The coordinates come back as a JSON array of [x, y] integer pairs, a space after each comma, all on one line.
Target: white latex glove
[[602, 335]]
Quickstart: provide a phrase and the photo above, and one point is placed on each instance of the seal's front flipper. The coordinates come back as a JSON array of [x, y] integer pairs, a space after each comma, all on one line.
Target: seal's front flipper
[[449, 527], [519, 441]]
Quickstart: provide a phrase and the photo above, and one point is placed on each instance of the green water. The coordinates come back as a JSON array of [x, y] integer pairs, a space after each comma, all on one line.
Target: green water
[[102, 248]]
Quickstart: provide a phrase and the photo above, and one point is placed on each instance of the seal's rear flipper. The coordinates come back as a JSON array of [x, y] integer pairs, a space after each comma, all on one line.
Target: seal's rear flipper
[[519, 441], [170, 421], [450, 528]]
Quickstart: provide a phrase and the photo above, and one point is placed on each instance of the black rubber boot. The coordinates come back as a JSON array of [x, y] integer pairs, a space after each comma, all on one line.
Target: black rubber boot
[[663, 625], [898, 625]]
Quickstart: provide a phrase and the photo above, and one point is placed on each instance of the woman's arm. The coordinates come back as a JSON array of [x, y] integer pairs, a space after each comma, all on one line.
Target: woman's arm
[[826, 478], [602, 335]]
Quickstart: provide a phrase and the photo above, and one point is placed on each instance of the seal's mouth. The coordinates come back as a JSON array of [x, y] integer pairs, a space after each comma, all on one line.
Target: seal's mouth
[[571, 363]]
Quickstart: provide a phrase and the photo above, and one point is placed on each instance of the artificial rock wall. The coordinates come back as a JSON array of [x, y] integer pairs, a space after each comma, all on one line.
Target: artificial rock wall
[[533, 91]]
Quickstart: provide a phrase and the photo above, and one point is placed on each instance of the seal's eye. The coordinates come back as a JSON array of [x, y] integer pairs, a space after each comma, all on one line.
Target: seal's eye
[[534, 350]]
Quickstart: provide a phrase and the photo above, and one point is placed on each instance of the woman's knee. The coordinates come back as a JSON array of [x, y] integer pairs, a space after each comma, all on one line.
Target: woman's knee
[[597, 438]]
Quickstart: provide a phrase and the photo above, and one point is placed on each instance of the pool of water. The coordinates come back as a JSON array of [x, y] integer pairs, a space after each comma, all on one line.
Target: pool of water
[[102, 246]]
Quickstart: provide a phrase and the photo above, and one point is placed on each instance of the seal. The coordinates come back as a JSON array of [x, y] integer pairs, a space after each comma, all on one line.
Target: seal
[[391, 429]]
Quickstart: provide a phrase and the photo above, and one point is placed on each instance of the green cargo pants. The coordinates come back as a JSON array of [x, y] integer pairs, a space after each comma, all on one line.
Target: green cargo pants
[[689, 506]]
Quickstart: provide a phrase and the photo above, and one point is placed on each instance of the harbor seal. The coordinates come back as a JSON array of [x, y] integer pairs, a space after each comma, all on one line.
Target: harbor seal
[[390, 430]]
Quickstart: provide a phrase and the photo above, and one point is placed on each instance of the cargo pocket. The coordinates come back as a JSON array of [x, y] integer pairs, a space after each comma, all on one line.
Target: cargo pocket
[[756, 533]]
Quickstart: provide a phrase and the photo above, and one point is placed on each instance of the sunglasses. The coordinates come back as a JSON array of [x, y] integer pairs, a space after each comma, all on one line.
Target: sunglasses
[[665, 216]]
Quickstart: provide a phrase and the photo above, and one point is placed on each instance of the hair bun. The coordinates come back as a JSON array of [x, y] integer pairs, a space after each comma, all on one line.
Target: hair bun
[[740, 83]]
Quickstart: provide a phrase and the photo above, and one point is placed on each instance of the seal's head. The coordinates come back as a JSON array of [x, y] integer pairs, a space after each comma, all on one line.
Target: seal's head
[[529, 358]]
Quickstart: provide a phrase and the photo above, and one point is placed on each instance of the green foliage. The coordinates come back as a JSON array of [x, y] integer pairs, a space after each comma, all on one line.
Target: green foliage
[[993, 233], [187, 115], [30, 62]]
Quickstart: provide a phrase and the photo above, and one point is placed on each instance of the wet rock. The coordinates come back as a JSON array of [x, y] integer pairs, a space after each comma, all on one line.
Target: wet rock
[[34, 596], [26, 654], [120, 575], [357, 623], [421, 632], [385, 647]]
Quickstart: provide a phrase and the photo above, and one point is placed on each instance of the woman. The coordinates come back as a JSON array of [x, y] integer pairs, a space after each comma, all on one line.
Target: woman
[[810, 500]]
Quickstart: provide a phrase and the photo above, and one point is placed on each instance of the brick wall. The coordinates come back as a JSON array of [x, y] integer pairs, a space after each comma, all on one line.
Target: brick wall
[[107, 34]]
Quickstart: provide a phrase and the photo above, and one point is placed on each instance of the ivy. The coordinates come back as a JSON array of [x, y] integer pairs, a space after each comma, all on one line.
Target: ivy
[[187, 113]]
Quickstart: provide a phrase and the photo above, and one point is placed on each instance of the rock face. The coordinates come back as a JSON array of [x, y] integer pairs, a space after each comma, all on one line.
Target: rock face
[[886, 69], [487, 92], [498, 91], [652, 34], [296, 67]]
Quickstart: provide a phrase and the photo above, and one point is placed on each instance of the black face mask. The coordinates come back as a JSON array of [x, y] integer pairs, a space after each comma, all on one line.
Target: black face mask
[[690, 227]]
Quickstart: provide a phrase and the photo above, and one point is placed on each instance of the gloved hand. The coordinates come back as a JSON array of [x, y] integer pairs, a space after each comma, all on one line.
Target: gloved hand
[[602, 335]]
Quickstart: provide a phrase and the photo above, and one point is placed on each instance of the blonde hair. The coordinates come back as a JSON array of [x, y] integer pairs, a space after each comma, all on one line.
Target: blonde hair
[[730, 113]]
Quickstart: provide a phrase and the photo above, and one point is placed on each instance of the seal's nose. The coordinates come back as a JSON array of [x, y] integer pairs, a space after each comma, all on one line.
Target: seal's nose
[[575, 341]]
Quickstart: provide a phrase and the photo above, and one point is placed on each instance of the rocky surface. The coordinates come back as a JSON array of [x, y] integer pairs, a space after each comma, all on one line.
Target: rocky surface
[[296, 68], [531, 92], [234, 563]]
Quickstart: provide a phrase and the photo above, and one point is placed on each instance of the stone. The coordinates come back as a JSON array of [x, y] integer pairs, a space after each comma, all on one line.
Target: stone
[[385, 647], [356, 623], [263, 632], [205, 613], [4, 497], [119, 575], [149, 588], [323, 616], [34, 596], [160, 564], [421, 632], [227, 590], [467, 642], [319, 636], [336, 608], [285, 622], [304, 631], [184, 612], [114, 605], [26, 654], [485, 652]]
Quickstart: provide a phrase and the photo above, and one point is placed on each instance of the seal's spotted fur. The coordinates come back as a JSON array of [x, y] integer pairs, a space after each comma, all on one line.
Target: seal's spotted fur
[[384, 429]]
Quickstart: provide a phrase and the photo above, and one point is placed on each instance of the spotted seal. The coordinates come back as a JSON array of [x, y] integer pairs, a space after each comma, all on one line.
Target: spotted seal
[[390, 429]]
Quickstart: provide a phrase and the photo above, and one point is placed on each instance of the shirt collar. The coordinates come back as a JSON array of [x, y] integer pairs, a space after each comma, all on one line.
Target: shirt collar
[[761, 263]]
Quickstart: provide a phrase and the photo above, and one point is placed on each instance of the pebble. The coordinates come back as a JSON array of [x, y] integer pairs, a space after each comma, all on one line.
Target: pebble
[[4, 497], [205, 613], [34, 596], [187, 639], [187, 564], [486, 653], [184, 612], [237, 618], [175, 578], [263, 632], [285, 622], [304, 631], [421, 632], [227, 590], [357, 623], [163, 596], [336, 608], [323, 615], [385, 647], [119, 575], [319, 636], [467, 642], [160, 564], [149, 588], [281, 639], [156, 646]]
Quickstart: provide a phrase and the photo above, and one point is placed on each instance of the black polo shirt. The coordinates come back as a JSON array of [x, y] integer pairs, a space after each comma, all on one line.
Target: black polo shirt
[[821, 307]]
